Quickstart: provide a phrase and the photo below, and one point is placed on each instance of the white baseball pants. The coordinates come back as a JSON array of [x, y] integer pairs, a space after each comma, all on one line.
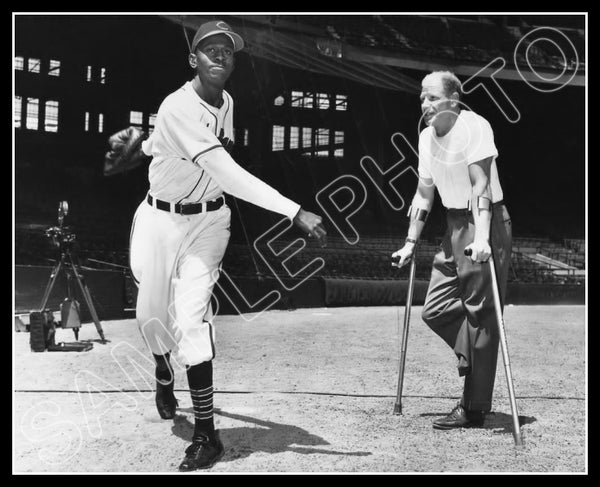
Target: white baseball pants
[[175, 260]]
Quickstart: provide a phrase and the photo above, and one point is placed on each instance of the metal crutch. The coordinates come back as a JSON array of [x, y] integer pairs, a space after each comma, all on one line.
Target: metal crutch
[[409, 297], [504, 347]]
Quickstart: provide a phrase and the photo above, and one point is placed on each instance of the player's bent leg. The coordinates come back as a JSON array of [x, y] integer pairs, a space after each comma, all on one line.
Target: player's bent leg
[[137, 248], [155, 240], [166, 402], [154, 243], [160, 340], [156, 333]]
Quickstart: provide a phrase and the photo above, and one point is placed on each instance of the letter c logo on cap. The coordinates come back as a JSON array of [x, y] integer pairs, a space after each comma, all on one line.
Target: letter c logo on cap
[[222, 25]]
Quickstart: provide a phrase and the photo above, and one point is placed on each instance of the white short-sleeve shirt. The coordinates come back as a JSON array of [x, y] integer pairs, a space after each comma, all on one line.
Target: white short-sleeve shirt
[[446, 159], [186, 128]]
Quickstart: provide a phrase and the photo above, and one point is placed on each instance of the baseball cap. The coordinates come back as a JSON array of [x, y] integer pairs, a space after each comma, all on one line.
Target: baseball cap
[[217, 27]]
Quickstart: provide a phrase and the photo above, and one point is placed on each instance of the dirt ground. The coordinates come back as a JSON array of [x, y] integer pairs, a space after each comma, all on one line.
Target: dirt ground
[[307, 391]]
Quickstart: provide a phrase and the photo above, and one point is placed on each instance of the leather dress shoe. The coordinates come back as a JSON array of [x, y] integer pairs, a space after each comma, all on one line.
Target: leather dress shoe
[[460, 418]]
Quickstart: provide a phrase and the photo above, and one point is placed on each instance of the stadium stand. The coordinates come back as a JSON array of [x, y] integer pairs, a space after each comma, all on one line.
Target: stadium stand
[[457, 37], [101, 210], [102, 244]]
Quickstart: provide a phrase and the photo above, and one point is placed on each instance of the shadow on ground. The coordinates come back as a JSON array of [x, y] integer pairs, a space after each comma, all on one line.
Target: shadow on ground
[[96, 340], [504, 422], [266, 436], [501, 422]]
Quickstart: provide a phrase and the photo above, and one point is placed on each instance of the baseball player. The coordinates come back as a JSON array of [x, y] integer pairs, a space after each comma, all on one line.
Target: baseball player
[[457, 155], [181, 229]]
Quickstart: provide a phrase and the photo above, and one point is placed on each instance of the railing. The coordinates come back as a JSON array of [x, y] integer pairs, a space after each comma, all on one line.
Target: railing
[[527, 269]]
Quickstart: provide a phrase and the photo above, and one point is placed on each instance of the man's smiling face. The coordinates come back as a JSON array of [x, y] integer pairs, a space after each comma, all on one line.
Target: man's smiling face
[[434, 99]]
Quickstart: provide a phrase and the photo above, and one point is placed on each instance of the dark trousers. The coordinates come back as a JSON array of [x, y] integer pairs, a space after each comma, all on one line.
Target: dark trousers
[[459, 305]]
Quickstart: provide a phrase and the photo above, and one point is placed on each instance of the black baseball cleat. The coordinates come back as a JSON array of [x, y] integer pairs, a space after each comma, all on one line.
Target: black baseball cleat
[[460, 418], [203, 453], [166, 402]]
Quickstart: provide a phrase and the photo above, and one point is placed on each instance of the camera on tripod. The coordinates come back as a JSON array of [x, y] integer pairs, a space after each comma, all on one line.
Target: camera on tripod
[[61, 237], [42, 326]]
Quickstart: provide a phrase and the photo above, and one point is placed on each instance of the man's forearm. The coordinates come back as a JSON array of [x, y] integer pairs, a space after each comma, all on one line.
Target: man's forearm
[[481, 198], [414, 230], [481, 208], [418, 213]]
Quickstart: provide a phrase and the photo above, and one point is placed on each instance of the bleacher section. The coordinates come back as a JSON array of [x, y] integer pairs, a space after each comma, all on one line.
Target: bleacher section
[[533, 260], [454, 37], [102, 243], [541, 260]]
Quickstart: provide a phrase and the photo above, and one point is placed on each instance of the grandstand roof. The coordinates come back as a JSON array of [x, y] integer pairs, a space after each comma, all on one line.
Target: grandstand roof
[[379, 49]]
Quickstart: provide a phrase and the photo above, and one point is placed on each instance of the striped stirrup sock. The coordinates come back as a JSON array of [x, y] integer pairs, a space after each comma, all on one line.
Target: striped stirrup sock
[[201, 391]]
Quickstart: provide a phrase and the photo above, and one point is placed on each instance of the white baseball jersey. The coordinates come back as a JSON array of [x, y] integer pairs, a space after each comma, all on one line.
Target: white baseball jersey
[[446, 159], [186, 127], [189, 162]]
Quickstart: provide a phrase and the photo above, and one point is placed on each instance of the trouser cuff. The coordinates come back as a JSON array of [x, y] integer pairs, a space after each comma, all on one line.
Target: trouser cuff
[[484, 407]]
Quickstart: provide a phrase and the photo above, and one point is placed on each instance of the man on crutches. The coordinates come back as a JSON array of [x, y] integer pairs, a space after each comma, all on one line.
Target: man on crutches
[[457, 155]]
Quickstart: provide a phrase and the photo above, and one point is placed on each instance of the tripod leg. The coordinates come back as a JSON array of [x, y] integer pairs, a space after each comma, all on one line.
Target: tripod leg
[[50, 284], [70, 297], [403, 346], [88, 299]]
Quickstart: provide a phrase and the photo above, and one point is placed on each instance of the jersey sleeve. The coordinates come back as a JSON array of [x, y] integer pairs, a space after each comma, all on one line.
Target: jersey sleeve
[[235, 180], [191, 136], [481, 141]]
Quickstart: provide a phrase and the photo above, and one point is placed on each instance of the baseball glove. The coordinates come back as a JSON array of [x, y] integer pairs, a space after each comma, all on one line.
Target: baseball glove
[[125, 151]]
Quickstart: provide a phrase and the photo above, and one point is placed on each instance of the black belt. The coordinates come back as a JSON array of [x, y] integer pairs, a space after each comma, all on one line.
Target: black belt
[[466, 211], [188, 209]]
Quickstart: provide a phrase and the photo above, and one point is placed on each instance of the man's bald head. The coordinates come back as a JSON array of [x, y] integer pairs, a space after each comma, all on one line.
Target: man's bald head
[[447, 79]]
